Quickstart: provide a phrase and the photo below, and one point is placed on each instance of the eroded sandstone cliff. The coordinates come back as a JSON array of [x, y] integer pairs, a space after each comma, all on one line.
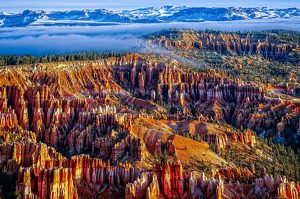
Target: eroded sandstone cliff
[[94, 129]]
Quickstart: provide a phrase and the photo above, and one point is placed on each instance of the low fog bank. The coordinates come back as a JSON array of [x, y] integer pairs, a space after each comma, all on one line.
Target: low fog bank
[[60, 44], [42, 40]]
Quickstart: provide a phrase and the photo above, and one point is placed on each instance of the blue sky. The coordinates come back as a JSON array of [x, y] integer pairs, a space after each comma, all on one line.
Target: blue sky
[[18, 5]]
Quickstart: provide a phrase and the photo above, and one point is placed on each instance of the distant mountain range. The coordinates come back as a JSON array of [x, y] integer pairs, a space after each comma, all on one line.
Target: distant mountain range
[[142, 15]]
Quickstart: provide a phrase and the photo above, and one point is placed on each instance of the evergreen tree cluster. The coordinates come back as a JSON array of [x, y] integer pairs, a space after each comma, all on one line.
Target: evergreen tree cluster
[[286, 160], [6, 60]]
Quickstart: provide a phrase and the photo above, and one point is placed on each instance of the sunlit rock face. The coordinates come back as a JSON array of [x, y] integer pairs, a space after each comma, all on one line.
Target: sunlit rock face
[[94, 129], [41, 106]]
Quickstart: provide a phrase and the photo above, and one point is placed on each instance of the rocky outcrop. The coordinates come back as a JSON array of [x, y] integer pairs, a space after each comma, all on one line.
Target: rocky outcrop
[[45, 173], [145, 186], [26, 154], [269, 47], [167, 147], [223, 138], [78, 176], [264, 118], [16, 135], [53, 113], [95, 175], [49, 183], [279, 188], [235, 174], [170, 180], [174, 182]]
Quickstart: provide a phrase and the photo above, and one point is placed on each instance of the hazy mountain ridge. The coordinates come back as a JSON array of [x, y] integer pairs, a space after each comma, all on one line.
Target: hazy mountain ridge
[[142, 15]]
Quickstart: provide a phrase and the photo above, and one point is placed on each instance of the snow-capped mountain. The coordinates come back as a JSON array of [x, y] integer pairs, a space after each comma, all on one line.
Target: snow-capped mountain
[[185, 13], [142, 15], [32, 17], [152, 14], [100, 15], [25, 18]]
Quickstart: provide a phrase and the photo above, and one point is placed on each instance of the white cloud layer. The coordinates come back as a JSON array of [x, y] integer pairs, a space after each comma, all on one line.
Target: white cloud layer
[[62, 39]]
